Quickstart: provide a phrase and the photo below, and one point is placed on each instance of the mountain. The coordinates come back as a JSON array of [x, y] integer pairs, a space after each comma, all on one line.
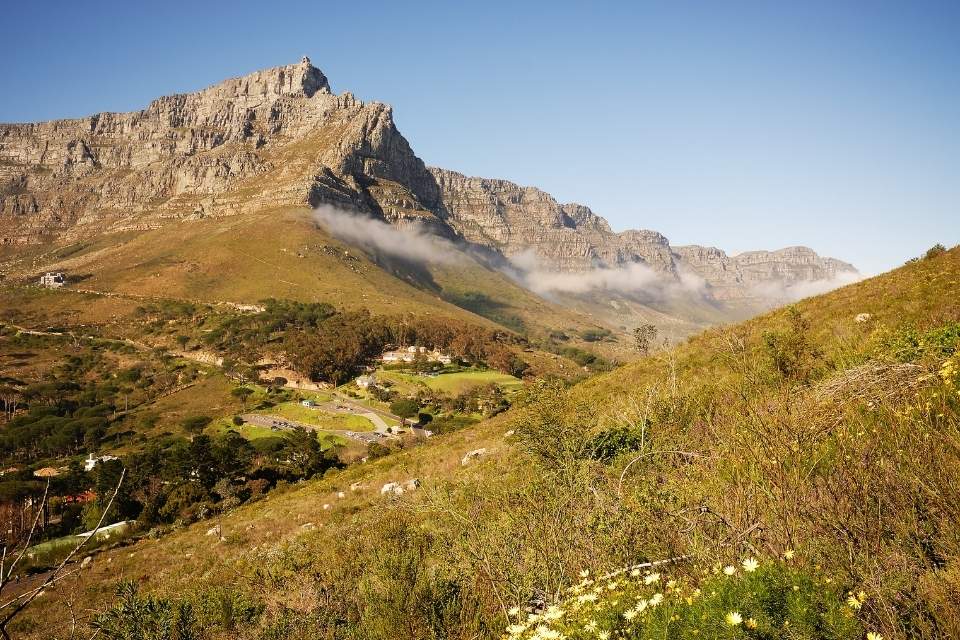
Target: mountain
[[281, 139]]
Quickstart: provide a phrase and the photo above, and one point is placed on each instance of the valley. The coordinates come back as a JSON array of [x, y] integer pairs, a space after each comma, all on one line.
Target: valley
[[265, 374]]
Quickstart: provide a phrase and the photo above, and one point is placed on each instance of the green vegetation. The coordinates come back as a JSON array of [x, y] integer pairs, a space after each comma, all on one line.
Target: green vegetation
[[751, 599], [820, 440], [318, 417]]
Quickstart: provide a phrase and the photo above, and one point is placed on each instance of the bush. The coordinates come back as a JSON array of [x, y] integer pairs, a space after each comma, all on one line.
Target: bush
[[196, 424], [607, 445], [934, 251], [146, 618]]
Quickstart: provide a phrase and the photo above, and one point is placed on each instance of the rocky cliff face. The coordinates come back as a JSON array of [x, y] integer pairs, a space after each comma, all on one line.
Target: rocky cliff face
[[280, 137], [275, 137], [519, 220]]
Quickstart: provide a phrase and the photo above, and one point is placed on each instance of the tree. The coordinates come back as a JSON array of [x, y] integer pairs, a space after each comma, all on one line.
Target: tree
[[934, 251], [243, 393], [643, 337], [506, 361], [196, 424], [305, 454], [405, 408]]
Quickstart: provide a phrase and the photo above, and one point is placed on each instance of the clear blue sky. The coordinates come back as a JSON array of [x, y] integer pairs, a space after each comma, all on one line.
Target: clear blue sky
[[736, 124]]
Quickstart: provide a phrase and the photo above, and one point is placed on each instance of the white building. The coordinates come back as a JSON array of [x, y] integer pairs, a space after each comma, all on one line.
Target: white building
[[409, 354], [92, 461], [365, 382], [53, 280]]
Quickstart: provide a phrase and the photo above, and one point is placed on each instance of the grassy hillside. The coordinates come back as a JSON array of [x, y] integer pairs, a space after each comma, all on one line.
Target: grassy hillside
[[283, 254], [826, 448]]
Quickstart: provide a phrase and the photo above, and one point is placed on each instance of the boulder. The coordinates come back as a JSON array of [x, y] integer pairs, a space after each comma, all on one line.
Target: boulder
[[472, 455]]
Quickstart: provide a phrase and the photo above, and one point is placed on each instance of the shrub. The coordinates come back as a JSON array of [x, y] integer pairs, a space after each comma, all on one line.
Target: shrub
[[196, 424], [607, 445], [146, 618]]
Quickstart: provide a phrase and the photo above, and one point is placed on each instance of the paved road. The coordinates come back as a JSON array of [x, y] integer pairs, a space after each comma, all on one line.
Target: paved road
[[340, 406], [358, 408]]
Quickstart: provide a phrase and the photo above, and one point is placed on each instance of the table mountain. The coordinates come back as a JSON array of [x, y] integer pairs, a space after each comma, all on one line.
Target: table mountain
[[282, 137]]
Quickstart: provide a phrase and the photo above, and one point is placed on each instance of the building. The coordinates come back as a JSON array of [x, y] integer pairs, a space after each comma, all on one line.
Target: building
[[365, 382], [92, 461], [409, 354], [53, 280]]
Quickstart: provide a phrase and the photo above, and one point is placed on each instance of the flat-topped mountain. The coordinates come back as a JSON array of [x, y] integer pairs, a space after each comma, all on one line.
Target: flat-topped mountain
[[281, 137]]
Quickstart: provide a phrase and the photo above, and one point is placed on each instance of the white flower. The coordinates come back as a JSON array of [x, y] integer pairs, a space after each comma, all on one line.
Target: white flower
[[734, 618], [605, 635], [553, 613], [514, 612], [656, 599], [584, 573], [650, 579], [634, 573], [729, 569], [750, 565], [629, 614], [516, 629], [546, 633]]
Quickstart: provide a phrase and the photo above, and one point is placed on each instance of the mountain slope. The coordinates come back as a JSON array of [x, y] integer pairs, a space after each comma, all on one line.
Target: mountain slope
[[807, 431], [279, 138]]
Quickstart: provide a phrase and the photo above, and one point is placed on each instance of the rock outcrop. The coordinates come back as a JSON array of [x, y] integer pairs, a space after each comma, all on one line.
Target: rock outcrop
[[274, 137], [281, 137]]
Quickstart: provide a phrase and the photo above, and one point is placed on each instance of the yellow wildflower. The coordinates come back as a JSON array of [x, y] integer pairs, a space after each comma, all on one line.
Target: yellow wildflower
[[874, 636], [788, 554], [751, 623], [734, 618]]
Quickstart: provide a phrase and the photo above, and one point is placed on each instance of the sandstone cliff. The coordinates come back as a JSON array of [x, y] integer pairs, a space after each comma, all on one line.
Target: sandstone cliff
[[281, 137]]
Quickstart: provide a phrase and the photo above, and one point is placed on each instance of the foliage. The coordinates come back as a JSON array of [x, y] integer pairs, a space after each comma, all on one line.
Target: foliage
[[755, 599], [405, 407], [136, 617], [610, 443], [790, 350], [643, 337]]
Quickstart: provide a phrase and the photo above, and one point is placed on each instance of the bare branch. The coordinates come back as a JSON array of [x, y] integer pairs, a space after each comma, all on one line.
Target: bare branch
[[55, 575], [7, 572]]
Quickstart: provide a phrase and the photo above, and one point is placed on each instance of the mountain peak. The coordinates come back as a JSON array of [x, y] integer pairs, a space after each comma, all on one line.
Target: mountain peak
[[302, 79]]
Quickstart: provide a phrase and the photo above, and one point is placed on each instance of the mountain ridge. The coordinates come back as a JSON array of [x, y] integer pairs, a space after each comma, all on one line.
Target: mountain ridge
[[279, 136]]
